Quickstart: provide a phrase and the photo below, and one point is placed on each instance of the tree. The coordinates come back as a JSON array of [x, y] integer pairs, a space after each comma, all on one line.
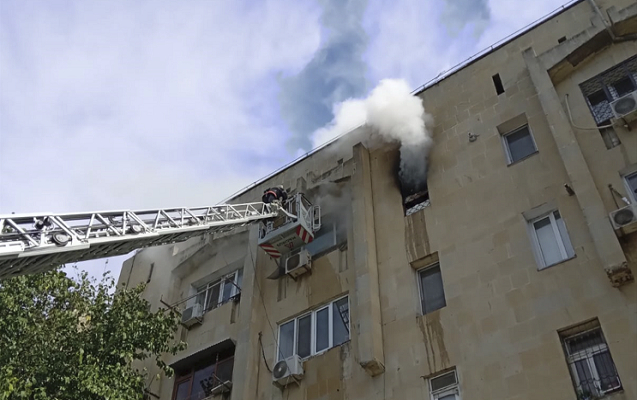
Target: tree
[[69, 339]]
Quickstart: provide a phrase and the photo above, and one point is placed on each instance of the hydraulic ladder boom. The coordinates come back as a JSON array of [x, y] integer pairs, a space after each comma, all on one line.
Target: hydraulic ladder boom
[[31, 243]]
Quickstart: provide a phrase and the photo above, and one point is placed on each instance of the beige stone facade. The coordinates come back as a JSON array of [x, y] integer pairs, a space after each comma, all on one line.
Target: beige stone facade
[[508, 326]]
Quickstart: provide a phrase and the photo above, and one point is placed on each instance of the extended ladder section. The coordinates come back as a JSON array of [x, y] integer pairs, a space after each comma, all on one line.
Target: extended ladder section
[[31, 243]]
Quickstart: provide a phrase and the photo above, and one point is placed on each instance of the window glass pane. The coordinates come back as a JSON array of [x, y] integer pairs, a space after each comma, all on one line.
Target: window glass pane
[[201, 297], [584, 377], [200, 379], [443, 381], [324, 239], [213, 296], [224, 370], [606, 371], [239, 281], [566, 241], [228, 288], [304, 337], [286, 340], [448, 397], [520, 144], [547, 241], [322, 329], [623, 86], [340, 321], [182, 390], [433, 293], [632, 184]]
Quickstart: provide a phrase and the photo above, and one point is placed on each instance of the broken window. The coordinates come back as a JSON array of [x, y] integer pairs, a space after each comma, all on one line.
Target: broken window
[[416, 201], [609, 86]]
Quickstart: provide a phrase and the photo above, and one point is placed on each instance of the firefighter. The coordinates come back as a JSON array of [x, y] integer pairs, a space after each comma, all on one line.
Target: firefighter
[[276, 193]]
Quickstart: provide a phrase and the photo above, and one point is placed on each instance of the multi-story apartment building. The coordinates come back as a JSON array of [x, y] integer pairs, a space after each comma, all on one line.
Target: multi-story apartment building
[[510, 278]]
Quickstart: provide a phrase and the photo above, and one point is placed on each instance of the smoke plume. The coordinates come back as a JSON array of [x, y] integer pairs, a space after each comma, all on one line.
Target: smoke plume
[[395, 115]]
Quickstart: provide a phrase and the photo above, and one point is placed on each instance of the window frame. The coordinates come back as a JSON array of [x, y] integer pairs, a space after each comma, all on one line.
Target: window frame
[[564, 252], [190, 375], [507, 150], [453, 389], [588, 356], [206, 289], [631, 191], [421, 290], [313, 326]]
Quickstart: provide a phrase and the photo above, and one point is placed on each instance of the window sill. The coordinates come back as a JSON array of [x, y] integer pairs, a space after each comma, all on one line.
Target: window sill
[[557, 263], [523, 158], [308, 358]]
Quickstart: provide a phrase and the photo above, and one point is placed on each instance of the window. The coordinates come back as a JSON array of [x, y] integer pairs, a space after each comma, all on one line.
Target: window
[[590, 362], [609, 135], [562, 39], [497, 82], [631, 185], [432, 292], [331, 235], [198, 383], [551, 240], [609, 86], [445, 386], [219, 292], [316, 331], [519, 144]]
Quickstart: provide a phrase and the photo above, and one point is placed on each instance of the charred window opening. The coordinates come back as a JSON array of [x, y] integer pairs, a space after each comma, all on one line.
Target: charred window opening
[[414, 199]]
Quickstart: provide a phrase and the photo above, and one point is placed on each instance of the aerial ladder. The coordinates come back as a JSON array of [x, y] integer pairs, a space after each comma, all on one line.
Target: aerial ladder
[[32, 243]]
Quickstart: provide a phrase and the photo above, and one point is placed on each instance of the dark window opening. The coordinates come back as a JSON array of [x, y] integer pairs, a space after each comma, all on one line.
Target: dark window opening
[[624, 86], [416, 202], [205, 376], [562, 39], [497, 81], [597, 98]]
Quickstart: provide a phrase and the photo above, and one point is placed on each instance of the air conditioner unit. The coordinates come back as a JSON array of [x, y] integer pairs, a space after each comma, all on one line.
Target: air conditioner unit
[[625, 107], [298, 263], [287, 371], [625, 218], [192, 315]]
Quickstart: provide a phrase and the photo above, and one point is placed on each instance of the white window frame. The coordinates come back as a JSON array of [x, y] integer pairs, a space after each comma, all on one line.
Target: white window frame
[[558, 237], [590, 361], [207, 288], [421, 290], [505, 143], [453, 389], [631, 194], [313, 351]]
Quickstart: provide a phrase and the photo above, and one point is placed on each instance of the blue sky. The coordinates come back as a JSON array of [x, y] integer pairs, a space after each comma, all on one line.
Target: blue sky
[[141, 104]]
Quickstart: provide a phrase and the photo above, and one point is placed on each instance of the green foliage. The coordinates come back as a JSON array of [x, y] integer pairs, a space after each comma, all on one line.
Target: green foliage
[[68, 339]]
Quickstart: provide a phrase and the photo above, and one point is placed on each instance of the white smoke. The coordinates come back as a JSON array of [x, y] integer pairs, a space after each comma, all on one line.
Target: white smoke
[[396, 116]]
